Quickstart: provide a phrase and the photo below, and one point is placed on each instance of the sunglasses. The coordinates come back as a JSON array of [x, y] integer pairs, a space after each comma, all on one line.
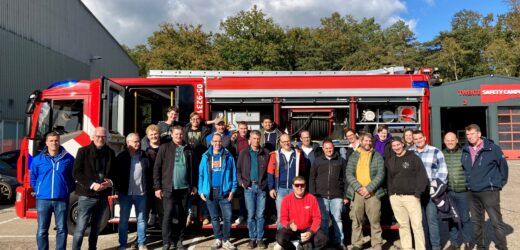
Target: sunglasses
[[298, 185]]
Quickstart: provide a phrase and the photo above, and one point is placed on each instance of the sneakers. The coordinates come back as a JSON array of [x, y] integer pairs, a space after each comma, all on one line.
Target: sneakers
[[229, 246], [206, 221], [251, 244], [277, 246], [216, 245], [239, 221], [143, 247], [261, 244], [175, 221], [180, 246]]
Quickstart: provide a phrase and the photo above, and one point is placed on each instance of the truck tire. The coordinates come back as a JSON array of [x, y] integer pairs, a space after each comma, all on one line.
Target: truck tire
[[6, 192], [73, 215]]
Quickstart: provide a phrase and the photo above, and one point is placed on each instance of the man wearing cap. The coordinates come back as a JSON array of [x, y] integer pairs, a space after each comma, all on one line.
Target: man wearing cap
[[220, 128], [407, 180]]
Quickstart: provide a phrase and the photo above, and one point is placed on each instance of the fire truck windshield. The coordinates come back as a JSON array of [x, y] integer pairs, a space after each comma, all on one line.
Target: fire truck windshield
[[61, 116]]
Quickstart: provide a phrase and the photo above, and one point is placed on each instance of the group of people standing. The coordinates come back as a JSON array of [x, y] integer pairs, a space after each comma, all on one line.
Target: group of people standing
[[165, 172]]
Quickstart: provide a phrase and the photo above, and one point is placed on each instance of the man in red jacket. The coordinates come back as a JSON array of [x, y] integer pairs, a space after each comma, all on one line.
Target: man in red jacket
[[300, 219]]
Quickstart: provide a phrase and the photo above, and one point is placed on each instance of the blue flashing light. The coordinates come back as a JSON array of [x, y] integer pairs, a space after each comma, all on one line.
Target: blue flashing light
[[66, 83], [420, 84]]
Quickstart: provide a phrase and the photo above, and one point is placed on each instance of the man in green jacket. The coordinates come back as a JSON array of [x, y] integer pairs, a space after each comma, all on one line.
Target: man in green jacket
[[365, 175], [458, 193]]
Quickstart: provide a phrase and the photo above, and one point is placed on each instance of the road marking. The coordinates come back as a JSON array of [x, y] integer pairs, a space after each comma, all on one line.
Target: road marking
[[7, 221], [16, 236], [194, 240]]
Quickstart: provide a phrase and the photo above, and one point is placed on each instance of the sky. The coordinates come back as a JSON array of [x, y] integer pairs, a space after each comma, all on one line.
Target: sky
[[131, 22]]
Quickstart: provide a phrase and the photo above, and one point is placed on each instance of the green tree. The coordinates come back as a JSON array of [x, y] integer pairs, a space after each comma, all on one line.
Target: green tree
[[452, 56], [400, 45], [251, 41], [181, 46], [500, 58], [139, 54]]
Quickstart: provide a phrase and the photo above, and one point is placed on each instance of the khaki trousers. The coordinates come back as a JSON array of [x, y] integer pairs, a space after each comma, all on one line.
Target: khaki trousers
[[372, 207], [407, 210]]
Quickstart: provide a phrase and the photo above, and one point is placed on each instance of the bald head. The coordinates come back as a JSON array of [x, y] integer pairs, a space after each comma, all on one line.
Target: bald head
[[450, 140]]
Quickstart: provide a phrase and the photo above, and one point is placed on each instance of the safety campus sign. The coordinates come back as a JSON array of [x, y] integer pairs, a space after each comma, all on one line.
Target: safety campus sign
[[493, 92]]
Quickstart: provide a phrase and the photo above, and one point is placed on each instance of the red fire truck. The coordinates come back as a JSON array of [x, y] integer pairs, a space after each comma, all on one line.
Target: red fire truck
[[322, 102]]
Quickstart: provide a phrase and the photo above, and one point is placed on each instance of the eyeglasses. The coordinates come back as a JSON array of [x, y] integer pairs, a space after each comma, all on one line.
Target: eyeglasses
[[299, 185]]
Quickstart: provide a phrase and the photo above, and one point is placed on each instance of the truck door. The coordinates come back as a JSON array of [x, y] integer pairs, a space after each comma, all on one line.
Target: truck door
[[112, 113]]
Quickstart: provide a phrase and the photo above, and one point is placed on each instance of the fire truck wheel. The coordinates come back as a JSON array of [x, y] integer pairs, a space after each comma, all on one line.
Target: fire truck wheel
[[73, 215], [6, 192]]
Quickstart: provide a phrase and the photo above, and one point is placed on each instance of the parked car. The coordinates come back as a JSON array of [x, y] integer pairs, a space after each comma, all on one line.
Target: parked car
[[8, 181], [10, 157]]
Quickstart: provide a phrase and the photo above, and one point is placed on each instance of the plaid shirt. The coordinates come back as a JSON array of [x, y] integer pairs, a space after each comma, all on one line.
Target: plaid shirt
[[434, 162]]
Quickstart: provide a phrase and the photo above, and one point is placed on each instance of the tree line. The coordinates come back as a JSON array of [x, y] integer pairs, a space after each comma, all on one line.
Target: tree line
[[476, 45]]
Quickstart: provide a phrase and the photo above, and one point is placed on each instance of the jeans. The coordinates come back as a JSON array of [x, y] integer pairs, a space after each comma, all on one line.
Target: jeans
[[89, 209], [255, 203], [372, 207], [431, 222], [332, 207], [487, 201], [173, 206], [45, 209], [126, 202], [214, 202], [460, 200], [280, 194]]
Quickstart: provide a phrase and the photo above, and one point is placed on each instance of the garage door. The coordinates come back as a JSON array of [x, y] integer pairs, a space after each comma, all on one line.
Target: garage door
[[509, 131]]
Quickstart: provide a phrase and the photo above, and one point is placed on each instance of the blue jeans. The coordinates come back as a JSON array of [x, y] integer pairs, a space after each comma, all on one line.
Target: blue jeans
[[334, 207], [280, 194], [89, 209], [432, 224], [255, 204], [125, 203], [45, 209], [460, 200], [214, 202]]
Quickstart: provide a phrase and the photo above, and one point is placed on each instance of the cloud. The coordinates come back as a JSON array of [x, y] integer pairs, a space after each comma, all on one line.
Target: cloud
[[131, 22]]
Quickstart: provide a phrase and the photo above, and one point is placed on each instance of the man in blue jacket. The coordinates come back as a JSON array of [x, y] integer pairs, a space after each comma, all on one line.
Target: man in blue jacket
[[486, 173], [217, 183], [51, 179]]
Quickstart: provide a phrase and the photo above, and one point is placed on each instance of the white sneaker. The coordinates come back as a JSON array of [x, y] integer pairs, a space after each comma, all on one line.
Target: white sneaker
[[277, 246], [229, 246], [239, 221], [216, 245]]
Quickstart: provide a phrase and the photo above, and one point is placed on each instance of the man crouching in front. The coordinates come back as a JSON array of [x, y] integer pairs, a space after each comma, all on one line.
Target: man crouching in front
[[300, 218]]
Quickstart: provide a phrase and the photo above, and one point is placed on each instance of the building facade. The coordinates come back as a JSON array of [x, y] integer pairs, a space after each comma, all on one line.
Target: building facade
[[42, 42], [492, 102]]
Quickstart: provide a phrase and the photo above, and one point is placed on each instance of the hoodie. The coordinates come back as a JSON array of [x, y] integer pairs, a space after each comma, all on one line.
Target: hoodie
[[384, 148]]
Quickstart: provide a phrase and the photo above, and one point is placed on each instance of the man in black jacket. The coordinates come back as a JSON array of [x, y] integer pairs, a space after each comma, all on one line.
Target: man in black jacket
[[174, 178], [327, 182], [252, 177], [93, 171], [407, 180], [130, 183]]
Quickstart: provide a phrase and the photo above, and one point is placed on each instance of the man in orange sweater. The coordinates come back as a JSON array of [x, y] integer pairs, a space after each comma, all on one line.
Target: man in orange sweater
[[300, 219]]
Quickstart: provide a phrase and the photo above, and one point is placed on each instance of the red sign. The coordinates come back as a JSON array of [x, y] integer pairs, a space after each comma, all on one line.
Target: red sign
[[498, 92], [468, 92]]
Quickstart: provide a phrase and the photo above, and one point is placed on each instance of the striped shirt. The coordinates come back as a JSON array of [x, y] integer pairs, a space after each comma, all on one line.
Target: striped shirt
[[434, 162]]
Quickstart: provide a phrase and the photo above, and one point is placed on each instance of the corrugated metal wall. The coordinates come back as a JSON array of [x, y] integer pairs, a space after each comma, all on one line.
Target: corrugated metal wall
[[42, 42]]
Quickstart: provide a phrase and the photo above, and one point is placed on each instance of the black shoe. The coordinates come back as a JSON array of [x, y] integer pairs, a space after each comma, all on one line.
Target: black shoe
[[261, 244], [251, 244], [166, 247], [180, 246]]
